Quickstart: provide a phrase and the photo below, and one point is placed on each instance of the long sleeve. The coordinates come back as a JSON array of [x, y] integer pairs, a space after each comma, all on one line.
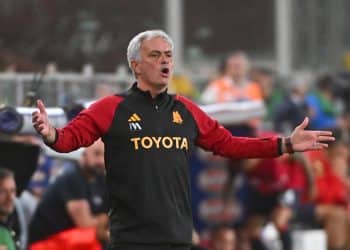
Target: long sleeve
[[214, 137], [88, 126]]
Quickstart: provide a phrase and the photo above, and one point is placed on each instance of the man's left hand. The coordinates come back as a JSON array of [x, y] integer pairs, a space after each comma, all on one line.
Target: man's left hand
[[305, 140]]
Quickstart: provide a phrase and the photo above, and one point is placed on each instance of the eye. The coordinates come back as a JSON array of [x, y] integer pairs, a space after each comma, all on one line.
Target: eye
[[154, 55]]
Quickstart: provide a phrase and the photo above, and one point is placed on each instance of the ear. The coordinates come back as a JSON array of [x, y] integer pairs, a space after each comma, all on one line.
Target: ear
[[135, 67]]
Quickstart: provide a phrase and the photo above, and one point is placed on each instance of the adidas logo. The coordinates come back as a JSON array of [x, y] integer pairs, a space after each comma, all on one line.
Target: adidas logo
[[134, 124]]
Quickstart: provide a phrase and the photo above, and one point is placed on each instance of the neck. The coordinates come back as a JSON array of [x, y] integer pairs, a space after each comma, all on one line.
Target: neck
[[154, 90]]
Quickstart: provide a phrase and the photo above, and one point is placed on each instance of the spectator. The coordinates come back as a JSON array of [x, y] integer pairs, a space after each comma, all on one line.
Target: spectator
[[324, 114], [329, 206], [73, 201], [272, 94], [7, 206], [233, 85], [223, 238], [339, 157], [182, 85], [292, 110], [274, 188], [44, 173]]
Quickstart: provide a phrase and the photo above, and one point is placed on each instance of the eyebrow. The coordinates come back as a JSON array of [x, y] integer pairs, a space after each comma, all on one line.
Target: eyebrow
[[158, 51]]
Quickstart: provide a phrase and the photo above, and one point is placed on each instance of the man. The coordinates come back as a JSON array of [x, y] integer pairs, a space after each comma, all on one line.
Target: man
[[234, 83], [7, 206], [148, 136], [223, 238], [73, 203]]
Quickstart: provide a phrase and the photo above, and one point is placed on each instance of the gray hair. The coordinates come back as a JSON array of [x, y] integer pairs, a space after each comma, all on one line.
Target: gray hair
[[133, 52]]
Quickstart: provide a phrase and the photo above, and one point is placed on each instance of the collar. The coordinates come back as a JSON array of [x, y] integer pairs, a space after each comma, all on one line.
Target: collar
[[159, 98]]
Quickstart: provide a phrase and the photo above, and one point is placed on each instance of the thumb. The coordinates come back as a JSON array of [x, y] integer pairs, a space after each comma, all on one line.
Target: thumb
[[304, 124], [41, 107]]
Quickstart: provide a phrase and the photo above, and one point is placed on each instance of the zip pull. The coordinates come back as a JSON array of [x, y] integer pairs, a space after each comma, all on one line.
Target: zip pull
[[156, 107]]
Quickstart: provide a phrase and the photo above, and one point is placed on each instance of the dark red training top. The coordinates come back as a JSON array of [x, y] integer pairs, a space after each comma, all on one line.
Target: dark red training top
[[148, 142]]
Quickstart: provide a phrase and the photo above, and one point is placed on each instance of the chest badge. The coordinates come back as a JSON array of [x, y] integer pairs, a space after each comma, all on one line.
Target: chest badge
[[134, 124], [177, 117]]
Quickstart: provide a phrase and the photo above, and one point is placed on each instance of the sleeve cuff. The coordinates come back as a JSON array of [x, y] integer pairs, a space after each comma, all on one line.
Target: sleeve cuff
[[279, 145]]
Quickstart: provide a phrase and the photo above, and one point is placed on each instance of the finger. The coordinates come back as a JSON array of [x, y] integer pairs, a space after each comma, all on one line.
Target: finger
[[325, 138], [36, 127], [41, 128], [35, 118], [41, 107], [326, 132], [39, 122], [304, 124], [320, 145]]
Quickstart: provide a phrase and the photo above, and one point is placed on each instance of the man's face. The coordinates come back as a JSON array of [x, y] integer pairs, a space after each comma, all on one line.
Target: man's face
[[93, 160], [237, 66], [7, 196], [224, 240], [155, 66]]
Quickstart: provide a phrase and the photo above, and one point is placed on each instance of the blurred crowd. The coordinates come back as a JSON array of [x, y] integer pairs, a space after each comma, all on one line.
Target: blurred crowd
[[299, 191], [64, 201]]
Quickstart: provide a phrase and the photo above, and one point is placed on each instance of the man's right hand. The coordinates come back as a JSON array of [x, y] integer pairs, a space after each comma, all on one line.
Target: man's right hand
[[41, 124]]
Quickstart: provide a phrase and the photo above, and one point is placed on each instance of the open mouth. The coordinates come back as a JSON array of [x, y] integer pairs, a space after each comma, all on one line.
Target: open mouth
[[165, 72]]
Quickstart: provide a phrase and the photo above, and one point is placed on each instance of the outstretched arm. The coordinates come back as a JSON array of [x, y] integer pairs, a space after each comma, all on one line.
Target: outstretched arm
[[82, 131], [214, 137]]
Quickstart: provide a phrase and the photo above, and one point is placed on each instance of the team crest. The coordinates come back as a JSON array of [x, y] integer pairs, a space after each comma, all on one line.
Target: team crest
[[177, 117]]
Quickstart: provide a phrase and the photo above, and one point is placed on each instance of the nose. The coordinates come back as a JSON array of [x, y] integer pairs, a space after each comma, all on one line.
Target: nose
[[164, 59]]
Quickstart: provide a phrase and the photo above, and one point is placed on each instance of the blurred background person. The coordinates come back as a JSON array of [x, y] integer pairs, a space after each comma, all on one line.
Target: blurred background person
[[223, 238], [47, 169], [272, 93], [322, 103], [72, 212], [328, 208], [292, 108], [234, 83], [7, 207], [181, 84]]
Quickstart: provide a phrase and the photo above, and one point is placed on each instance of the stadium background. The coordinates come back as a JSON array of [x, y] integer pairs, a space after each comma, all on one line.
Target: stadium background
[[76, 47]]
